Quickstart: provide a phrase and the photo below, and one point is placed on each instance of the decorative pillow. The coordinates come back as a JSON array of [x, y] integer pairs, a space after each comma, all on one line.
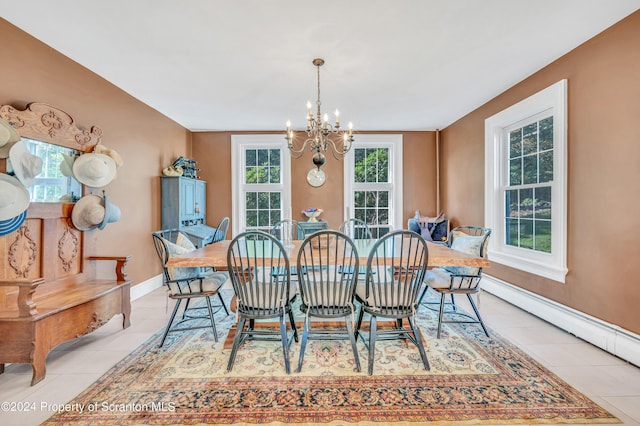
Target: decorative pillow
[[177, 250], [184, 241], [466, 244]]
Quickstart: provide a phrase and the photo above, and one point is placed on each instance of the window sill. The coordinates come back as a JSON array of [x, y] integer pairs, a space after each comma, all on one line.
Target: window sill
[[543, 269]]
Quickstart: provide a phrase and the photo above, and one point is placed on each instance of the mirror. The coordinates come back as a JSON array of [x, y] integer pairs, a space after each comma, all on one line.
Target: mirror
[[52, 185]]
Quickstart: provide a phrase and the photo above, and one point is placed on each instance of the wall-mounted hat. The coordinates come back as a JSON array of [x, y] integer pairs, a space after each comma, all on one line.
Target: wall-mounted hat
[[14, 197], [8, 136], [93, 211], [101, 149], [25, 165], [94, 170], [66, 165], [10, 225]]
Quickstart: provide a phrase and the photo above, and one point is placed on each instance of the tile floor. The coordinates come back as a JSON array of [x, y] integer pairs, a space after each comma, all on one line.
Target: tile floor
[[73, 366]]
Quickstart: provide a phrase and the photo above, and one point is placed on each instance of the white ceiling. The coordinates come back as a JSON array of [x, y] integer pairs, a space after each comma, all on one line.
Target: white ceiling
[[247, 64]]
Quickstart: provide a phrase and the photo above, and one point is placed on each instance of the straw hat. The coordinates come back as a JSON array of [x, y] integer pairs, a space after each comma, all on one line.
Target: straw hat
[[25, 165], [14, 197], [101, 149], [94, 170], [93, 211], [10, 225], [8, 136]]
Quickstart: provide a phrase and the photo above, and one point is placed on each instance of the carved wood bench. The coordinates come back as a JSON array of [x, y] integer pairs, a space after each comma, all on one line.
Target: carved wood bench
[[40, 315]]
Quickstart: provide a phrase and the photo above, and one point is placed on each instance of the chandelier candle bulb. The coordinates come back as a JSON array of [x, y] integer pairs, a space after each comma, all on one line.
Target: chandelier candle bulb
[[337, 119]]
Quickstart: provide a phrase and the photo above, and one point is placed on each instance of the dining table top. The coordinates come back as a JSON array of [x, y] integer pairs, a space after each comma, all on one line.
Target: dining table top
[[215, 255]]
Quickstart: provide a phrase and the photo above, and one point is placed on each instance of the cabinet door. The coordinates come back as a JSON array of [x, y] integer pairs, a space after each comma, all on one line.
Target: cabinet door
[[187, 199], [200, 211]]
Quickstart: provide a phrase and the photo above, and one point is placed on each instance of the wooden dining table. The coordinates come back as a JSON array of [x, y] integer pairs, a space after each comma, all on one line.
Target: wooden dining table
[[215, 255]]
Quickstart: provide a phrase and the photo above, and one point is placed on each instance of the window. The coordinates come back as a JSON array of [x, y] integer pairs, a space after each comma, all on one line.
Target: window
[[373, 182], [261, 182], [525, 183]]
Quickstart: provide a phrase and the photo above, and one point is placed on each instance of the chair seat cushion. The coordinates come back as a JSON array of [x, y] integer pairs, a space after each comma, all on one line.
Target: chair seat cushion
[[210, 284], [438, 278], [175, 249]]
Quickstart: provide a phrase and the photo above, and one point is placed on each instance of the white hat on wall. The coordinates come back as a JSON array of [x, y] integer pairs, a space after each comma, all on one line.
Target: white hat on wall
[[14, 197], [93, 211], [94, 170], [25, 165], [8, 137]]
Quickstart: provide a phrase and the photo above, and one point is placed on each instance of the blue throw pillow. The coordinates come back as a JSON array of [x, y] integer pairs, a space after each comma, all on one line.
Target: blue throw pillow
[[470, 245]]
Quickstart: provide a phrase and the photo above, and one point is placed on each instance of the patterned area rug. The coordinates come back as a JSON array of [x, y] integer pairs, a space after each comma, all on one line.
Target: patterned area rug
[[473, 380]]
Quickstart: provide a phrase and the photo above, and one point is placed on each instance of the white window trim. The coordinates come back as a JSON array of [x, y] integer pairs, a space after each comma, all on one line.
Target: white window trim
[[549, 265], [394, 143], [238, 144]]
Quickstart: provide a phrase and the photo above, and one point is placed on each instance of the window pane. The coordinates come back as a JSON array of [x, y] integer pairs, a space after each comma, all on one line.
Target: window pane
[[263, 218], [358, 198], [515, 143], [530, 169], [546, 166], [251, 200], [383, 199], [526, 203], [511, 232], [274, 159], [275, 200], [251, 217], [515, 171], [543, 235], [546, 134], [371, 168], [383, 165], [250, 157], [371, 200], [530, 139], [526, 233], [543, 203], [250, 175], [383, 216], [275, 174], [263, 157], [511, 203], [360, 214], [371, 216], [359, 167], [263, 200], [275, 217]]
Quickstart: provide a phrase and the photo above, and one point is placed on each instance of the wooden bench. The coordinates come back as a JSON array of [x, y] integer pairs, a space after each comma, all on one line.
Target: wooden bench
[[50, 291]]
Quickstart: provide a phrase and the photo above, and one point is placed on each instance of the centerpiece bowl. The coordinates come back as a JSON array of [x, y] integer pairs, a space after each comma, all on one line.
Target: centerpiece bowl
[[312, 213]]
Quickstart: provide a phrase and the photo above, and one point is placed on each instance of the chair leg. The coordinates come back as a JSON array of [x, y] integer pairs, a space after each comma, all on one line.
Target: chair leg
[[173, 315], [223, 304], [372, 342], [440, 315], [285, 343], [352, 337], [236, 342], [359, 323], [186, 308], [213, 321], [418, 336], [303, 346], [293, 325], [475, 309]]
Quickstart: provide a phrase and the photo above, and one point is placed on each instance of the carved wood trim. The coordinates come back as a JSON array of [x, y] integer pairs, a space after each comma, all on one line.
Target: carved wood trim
[[68, 248], [50, 124], [23, 242]]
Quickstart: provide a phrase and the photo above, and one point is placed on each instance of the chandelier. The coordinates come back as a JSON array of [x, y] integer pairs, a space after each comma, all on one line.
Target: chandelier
[[321, 135]]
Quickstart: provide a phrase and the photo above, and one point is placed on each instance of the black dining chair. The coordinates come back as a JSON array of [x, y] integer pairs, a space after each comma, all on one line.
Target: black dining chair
[[395, 271], [325, 292], [188, 284], [260, 294], [452, 280]]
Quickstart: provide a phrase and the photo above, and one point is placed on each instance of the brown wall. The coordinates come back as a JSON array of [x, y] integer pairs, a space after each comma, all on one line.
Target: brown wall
[[147, 140], [212, 150], [603, 175]]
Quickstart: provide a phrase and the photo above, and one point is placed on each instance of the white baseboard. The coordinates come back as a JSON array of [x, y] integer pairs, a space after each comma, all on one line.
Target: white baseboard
[[146, 287], [612, 338]]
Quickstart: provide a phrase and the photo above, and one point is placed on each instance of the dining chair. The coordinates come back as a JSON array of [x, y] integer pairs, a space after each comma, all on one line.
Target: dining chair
[[452, 280], [395, 271], [221, 230], [325, 292], [188, 284], [287, 230], [356, 229], [260, 294]]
